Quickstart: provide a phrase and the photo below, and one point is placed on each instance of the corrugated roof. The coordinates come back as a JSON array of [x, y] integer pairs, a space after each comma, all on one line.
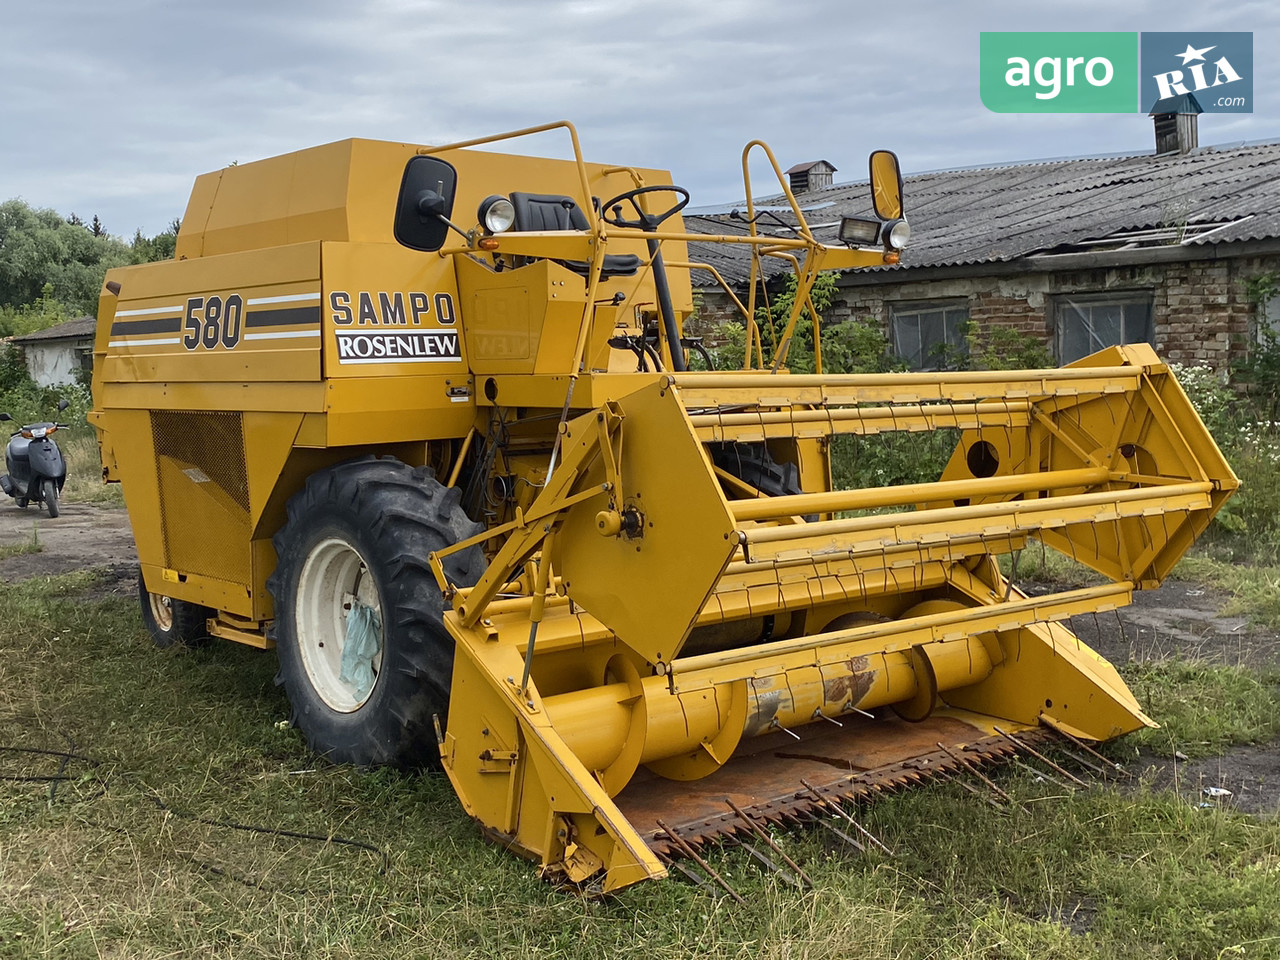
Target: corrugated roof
[[998, 213], [71, 330]]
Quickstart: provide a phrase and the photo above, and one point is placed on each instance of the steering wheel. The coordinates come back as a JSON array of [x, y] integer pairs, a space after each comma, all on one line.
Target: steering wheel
[[611, 210]]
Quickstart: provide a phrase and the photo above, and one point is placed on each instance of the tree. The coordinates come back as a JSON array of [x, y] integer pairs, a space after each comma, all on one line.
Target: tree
[[39, 248], [44, 312], [159, 247], [46, 259]]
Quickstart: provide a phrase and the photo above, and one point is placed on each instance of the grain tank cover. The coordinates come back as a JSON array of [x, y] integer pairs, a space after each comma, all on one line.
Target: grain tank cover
[[343, 191]]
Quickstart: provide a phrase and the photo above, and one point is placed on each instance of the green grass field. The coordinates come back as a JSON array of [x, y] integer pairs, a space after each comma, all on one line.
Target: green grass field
[[138, 847]]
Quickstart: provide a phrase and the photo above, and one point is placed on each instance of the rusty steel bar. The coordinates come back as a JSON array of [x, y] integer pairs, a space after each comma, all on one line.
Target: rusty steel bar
[[972, 768], [1056, 728], [834, 805], [1039, 756], [687, 849], [763, 834]]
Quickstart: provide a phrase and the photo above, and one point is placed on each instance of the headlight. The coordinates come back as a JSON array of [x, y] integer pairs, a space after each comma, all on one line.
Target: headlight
[[896, 234], [496, 214], [859, 233]]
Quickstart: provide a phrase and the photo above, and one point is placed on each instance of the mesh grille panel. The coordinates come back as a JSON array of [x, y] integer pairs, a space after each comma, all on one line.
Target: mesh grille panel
[[204, 492]]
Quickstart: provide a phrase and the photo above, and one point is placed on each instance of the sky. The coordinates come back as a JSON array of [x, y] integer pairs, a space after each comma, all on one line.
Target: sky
[[112, 109]]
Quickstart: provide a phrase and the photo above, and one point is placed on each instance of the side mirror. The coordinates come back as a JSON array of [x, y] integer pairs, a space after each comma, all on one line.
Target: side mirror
[[63, 404], [5, 416], [886, 185], [425, 203]]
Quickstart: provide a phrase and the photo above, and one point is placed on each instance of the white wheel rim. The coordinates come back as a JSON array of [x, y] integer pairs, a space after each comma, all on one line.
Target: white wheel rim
[[161, 611], [333, 574]]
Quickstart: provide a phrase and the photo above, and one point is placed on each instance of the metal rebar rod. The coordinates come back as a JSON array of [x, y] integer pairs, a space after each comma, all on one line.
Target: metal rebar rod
[[763, 834], [1038, 755], [973, 768], [834, 805], [687, 849]]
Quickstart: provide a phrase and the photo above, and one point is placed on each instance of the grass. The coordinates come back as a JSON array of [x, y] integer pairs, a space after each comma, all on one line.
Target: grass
[[24, 547], [93, 866], [1043, 564], [1254, 588], [1203, 709], [84, 470]]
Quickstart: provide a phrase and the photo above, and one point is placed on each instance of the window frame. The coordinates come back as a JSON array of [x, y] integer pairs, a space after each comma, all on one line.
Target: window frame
[[898, 309], [1065, 304]]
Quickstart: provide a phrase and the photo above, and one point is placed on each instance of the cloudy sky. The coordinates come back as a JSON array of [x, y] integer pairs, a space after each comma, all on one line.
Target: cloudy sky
[[112, 108]]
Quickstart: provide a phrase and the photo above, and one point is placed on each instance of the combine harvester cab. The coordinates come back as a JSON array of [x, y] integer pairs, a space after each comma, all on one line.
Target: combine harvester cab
[[462, 477]]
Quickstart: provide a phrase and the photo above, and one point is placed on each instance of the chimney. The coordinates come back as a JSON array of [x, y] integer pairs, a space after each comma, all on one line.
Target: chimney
[[808, 177], [1175, 121]]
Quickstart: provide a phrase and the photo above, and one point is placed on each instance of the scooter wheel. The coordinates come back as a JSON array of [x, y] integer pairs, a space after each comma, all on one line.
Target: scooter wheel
[[50, 493]]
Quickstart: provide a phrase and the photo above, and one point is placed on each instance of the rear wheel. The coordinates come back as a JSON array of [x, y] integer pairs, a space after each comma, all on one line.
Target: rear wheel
[[364, 655], [171, 621], [49, 493]]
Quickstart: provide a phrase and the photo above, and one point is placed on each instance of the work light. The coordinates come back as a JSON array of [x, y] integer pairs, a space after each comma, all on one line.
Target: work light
[[496, 214], [860, 233]]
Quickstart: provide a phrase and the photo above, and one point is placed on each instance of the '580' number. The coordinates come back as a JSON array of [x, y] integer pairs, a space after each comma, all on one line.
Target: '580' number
[[212, 320]]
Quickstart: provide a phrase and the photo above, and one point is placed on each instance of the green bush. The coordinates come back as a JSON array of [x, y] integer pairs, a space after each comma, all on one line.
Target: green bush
[[1248, 433], [997, 347], [27, 402], [890, 459], [1215, 401]]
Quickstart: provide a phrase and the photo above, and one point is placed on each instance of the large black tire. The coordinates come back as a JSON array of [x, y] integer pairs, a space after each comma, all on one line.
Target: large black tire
[[171, 621], [49, 493], [363, 529], [752, 463]]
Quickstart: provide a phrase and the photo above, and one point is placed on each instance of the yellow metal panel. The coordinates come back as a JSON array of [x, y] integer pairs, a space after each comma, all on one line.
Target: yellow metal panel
[[255, 200], [665, 477], [390, 312], [191, 234], [241, 317], [264, 397], [376, 410]]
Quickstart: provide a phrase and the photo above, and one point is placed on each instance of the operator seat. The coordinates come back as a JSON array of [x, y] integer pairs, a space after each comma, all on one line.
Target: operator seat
[[543, 211]]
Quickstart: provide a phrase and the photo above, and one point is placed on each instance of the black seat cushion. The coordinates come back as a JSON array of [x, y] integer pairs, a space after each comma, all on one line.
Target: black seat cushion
[[544, 211]]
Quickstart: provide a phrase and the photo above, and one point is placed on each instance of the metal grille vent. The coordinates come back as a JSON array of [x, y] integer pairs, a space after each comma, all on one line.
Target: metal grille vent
[[204, 492]]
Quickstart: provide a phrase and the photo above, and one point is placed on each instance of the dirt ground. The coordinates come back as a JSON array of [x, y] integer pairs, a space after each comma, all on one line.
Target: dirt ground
[[83, 536], [1179, 619]]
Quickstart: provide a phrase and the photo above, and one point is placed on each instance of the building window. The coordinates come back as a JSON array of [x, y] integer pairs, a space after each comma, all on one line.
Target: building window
[[1085, 325], [929, 334], [1270, 324]]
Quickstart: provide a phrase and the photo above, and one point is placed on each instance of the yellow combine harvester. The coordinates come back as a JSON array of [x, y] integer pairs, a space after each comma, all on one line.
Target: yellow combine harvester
[[458, 473]]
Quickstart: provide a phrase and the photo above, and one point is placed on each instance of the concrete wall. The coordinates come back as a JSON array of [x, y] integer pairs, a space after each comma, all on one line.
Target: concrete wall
[[53, 364], [1200, 309]]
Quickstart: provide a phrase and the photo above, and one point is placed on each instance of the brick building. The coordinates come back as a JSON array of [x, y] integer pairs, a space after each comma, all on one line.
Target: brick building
[[1171, 248]]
